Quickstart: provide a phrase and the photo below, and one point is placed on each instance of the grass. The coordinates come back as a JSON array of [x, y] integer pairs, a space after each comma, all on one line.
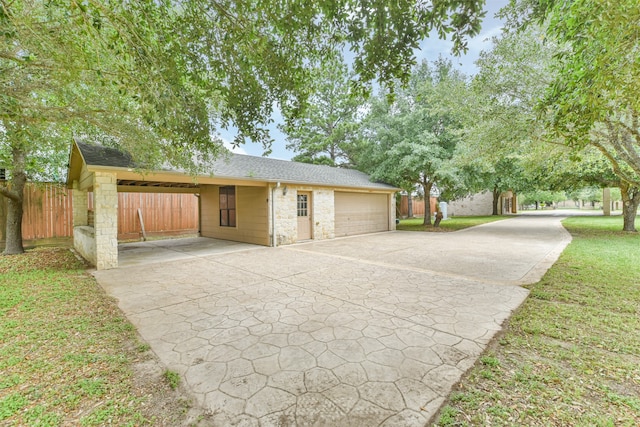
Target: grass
[[450, 224], [172, 378], [68, 356], [570, 355]]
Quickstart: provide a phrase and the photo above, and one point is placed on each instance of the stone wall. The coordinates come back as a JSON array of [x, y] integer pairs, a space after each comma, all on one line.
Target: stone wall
[[286, 215], [323, 214], [480, 204], [84, 239], [84, 242], [80, 204]]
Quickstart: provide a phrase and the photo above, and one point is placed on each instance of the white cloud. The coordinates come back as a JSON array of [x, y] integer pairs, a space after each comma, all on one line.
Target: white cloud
[[230, 147], [483, 40]]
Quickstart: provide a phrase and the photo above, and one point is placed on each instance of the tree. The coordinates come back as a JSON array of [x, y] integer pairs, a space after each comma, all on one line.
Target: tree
[[500, 131], [542, 197], [413, 139], [70, 68], [596, 78], [326, 131], [156, 77], [619, 142], [574, 170], [594, 98], [504, 173]]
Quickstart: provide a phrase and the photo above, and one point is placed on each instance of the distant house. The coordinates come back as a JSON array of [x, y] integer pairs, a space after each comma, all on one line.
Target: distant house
[[481, 204], [244, 198]]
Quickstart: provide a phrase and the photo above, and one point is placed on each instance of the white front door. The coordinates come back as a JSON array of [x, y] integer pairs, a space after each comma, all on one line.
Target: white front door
[[304, 216]]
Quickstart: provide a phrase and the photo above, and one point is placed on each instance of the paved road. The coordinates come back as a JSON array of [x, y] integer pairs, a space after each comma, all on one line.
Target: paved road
[[361, 331]]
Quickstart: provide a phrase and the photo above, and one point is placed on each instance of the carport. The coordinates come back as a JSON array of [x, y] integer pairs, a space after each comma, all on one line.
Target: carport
[[245, 199], [161, 251]]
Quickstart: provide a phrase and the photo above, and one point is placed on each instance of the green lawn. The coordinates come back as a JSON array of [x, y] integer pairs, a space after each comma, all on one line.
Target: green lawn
[[570, 355], [67, 354], [451, 224]]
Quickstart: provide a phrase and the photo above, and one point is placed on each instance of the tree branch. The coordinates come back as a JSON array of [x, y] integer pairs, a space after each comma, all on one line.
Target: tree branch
[[614, 164], [623, 147], [4, 190]]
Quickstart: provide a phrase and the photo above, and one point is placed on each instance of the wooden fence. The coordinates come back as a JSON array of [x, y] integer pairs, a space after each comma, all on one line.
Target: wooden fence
[[417, 205], [162, 214], [48, 213]]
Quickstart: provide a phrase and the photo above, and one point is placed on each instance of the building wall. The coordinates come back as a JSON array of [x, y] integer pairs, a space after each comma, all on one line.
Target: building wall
[[254, 211], [322, 213], [480, 204], [251, 215]]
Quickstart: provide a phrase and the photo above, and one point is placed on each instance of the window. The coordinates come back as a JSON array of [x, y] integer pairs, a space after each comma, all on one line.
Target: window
[[303, 205], [227, 206]]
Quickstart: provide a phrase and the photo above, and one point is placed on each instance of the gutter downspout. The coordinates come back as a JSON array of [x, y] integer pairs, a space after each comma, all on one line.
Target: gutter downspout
[[199, 214], [273, 215]]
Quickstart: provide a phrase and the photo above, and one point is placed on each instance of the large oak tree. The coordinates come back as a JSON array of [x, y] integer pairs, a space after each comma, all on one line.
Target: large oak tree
[[412, 140], [592, 98]]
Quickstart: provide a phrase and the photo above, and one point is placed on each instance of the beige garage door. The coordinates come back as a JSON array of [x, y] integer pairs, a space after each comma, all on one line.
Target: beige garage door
[[359, 213]]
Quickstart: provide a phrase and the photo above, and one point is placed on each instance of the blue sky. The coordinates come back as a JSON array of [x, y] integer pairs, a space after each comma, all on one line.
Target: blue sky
[[430, 50]]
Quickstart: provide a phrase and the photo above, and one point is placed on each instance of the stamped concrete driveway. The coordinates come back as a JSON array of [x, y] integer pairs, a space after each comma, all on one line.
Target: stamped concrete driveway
[[362, 331]]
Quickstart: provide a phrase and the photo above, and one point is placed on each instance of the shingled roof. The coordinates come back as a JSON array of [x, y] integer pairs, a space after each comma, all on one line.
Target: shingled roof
[[245, 167], [97, 155]]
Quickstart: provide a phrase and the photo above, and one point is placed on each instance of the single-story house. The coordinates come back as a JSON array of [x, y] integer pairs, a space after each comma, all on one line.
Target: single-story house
[[243, 198], [481, 204]]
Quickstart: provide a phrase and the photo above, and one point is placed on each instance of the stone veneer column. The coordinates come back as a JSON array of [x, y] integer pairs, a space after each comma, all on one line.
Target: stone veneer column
[[105, 193], [324, 214], [80, 206]]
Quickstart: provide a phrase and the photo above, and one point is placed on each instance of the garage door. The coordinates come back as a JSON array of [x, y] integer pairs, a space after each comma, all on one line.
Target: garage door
[[359, 213]]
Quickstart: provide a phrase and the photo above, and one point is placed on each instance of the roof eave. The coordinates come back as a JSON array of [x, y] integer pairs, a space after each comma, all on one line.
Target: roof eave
[[74, 173], [116, 169]]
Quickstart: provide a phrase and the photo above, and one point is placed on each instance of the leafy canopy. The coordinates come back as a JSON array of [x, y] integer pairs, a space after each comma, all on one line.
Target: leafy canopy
[[159, 77]]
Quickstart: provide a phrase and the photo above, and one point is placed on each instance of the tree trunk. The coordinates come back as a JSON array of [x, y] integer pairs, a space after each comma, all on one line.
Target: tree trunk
[[409, 205], [426, 185], [15, 194], [496, 198], [438, 218], [630, 202], [13, 233]]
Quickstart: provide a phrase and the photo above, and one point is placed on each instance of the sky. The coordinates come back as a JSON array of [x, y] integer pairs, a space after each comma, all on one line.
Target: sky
[[430, 49]]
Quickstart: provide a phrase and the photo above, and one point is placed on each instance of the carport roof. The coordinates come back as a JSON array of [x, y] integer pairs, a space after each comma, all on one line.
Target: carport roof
[[244, 167]]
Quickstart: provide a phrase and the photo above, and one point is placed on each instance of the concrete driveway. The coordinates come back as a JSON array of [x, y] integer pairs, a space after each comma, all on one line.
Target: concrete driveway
[[361, 331]]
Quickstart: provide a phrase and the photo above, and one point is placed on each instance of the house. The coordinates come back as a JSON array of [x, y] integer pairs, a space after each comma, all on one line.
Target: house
[[244, 198], [481, 204]]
